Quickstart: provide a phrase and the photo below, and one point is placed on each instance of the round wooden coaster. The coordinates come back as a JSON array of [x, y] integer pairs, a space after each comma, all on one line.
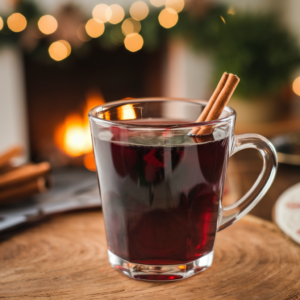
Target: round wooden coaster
[[66, 258], [287, 212]]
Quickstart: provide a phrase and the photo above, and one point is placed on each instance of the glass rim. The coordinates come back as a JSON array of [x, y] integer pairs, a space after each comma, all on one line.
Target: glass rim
[[103, 108]]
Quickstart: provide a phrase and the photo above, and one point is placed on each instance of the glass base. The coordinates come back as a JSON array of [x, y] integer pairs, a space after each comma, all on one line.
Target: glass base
[[160, 272]]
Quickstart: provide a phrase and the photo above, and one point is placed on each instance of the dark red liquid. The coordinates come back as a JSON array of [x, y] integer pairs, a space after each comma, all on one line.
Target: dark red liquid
[[161, 204]]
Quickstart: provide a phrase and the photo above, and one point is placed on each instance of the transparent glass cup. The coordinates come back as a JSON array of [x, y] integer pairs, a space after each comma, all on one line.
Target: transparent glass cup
[[161, 188]]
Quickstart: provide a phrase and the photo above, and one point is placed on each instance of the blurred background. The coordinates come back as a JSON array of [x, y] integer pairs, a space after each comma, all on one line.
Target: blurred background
[[60, 58]]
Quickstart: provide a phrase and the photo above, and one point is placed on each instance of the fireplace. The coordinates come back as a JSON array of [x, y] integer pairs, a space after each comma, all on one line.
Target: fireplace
[[59, 95]]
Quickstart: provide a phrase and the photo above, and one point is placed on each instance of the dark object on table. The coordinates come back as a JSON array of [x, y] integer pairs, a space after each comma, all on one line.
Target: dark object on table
[[288, 148], [74, 188]]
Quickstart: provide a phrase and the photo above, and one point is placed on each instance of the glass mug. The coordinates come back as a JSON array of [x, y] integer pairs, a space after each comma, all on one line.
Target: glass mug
[[161, 189]]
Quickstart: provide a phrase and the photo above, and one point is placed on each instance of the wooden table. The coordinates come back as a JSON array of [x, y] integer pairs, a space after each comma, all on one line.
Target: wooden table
[[66, 258]]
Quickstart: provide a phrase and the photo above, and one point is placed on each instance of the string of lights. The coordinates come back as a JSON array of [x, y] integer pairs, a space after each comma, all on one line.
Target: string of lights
[[102, 16], [244, 44]]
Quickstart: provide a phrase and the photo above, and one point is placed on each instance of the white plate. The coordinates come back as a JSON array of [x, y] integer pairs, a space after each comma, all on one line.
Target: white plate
[[287, 212]]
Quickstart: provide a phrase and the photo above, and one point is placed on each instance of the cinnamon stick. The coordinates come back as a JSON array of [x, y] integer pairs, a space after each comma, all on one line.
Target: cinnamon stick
[[23, 174], [25, 190], [211, 102], [10, 154], [220, 103]]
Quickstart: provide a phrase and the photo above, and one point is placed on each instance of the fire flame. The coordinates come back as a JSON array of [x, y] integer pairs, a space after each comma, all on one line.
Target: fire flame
[[73, 135], [126, 112]]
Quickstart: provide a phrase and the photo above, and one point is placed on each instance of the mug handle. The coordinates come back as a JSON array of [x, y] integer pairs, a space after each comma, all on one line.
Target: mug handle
[[237, 210]]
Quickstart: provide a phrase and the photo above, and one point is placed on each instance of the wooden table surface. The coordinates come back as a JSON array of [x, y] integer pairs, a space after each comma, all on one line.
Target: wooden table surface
[[66, 258]]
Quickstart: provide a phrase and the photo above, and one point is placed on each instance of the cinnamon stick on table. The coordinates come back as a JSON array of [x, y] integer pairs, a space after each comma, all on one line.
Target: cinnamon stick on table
[[23, 174], [10, 154], [24, 190], [217, 103]]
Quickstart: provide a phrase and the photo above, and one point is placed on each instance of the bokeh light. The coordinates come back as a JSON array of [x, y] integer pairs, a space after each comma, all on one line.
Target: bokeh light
[[59, 50], [99, 12], [94, 28], [231, 11], [115, 14], [133, 42], [131, 26], [1, 23], [81, 33], [223, 19], [47, 24], [296, 86], [168, 18], [16, 22], [139, 10], [67, 45], [158, 3], [177, 5]]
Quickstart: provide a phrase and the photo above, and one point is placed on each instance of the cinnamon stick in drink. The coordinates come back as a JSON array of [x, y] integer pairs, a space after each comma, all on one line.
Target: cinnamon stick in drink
[[23, 174], [220, 103], [211, 102]]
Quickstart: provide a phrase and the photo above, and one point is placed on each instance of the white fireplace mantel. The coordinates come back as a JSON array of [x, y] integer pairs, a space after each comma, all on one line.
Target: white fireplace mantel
[[13, 120]]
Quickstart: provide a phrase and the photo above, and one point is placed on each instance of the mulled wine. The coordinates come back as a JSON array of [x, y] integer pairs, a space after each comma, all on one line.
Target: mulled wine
[[160, 194]]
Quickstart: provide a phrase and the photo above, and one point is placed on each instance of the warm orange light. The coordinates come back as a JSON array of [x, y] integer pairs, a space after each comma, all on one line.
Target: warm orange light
[[1, 23], [131, 26], [81, 33], [47, 24], [157, 3], [133, 42], [75, 141], [105, 116], [168, 18], [99, 12], [115, 14], [139, 10], [231, 11], [126, 112], [89, 162], [223, 19], [73, 135], [16, 22], [59, 50], [296, 86], [94, 28], [177, 5]]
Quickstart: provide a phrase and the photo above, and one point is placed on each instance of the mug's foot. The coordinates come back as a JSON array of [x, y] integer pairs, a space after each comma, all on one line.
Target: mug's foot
[[160, 272]]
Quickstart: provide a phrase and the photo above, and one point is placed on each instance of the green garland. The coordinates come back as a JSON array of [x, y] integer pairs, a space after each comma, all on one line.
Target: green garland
[[255, 47]]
